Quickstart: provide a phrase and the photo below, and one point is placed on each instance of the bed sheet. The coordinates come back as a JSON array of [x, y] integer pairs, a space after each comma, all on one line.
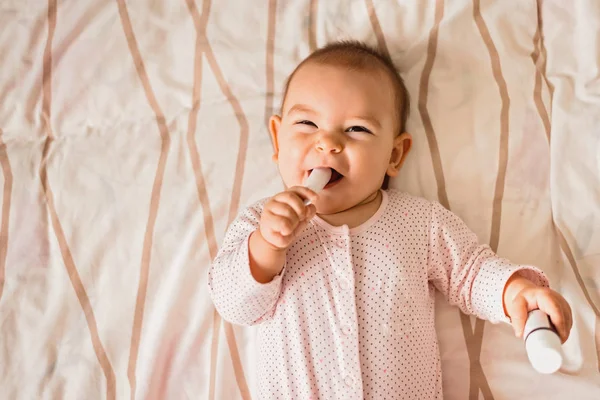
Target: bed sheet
[[131, 133]]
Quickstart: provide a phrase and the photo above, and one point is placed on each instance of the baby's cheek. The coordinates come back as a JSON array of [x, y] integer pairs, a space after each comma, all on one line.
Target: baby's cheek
[[290, 165], [296, 151], [374, 166]]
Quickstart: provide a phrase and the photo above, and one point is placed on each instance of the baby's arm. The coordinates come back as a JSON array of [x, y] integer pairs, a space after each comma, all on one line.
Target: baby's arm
[[468, 274], [237, 295], [245, 278]]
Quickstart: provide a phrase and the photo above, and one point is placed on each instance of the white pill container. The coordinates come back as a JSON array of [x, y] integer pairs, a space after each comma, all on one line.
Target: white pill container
[[542, 343]]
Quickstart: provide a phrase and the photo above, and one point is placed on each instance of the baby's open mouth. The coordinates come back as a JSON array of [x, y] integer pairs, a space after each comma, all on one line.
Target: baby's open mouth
[[335, 176]]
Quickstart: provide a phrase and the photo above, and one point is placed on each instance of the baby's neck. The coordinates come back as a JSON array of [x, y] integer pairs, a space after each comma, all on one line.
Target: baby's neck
[[357, 214]]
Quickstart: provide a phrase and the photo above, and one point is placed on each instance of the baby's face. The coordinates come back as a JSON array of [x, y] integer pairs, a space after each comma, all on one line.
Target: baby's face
[[342, 119]]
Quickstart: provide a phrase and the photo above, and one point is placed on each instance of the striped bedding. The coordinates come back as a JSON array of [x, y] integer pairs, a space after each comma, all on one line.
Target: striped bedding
[[131, 133]]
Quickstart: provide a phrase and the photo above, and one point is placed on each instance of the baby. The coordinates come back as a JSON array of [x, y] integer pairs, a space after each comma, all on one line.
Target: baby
[[343, 289]]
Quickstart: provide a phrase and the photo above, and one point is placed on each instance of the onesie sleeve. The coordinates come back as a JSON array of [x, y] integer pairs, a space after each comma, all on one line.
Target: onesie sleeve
[[470, 275], [237, 296]]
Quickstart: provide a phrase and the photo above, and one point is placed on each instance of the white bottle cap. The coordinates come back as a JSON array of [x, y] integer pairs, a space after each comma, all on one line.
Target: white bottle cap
[[542, 343], [317, 180], [544, 351]]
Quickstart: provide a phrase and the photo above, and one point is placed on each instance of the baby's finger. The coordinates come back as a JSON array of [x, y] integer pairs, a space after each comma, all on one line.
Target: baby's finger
[[275, 223], [284, 225], [568, 317], [517, 310], [552, 308], [303, 194], [286, 211], [294, 201], [306, 193], [311, 211], [570, 314]]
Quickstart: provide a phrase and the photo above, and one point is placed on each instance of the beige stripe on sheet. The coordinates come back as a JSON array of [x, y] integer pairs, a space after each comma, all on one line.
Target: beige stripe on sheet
[[209, 226], [537, 89], [312, 25], [6, 203], [544, 55], [504, 135], [235, 200], [270, 78], [140, 303], [436, 159], [82, 296], [376, 27], [244, 131], [474, 339], [200, 27], [238, 368], [504, 124], [68, 260]]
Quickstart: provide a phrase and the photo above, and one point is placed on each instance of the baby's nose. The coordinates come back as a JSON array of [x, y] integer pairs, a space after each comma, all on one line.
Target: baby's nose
[[329, 143]]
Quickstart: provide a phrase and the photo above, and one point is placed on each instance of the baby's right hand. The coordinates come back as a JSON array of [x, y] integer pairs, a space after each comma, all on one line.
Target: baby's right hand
[[285, 215]]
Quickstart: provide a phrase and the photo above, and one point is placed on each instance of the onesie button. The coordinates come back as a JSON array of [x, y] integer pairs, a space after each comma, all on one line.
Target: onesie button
[[349, 381], [344, 284]]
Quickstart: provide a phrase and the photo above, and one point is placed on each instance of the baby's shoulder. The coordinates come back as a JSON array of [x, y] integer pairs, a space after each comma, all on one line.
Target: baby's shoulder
[[416, 208], [399, 200]]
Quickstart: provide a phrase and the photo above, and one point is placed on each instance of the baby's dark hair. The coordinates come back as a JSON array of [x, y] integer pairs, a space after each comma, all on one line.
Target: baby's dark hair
[[360, 56]]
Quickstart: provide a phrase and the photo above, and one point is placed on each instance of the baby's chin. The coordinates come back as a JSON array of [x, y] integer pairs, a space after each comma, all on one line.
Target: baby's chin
[[329, 207], [329, 203]]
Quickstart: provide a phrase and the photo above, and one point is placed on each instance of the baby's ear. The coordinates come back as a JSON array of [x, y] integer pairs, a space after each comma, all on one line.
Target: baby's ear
[[402, 145], [274, 125]]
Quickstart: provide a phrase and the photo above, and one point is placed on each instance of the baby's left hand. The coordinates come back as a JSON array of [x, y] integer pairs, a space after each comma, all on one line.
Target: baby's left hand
[[521, 296]]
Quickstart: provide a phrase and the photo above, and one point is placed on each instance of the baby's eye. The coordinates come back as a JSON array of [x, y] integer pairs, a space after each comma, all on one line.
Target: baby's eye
[[306, 122], [358, 129]]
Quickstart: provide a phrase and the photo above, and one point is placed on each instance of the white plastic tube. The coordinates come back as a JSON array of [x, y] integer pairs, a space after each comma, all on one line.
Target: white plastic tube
[[317, 180], [542, 343]]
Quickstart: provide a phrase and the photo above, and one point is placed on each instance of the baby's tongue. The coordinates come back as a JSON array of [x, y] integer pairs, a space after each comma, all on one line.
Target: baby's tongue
[[335, 176]]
